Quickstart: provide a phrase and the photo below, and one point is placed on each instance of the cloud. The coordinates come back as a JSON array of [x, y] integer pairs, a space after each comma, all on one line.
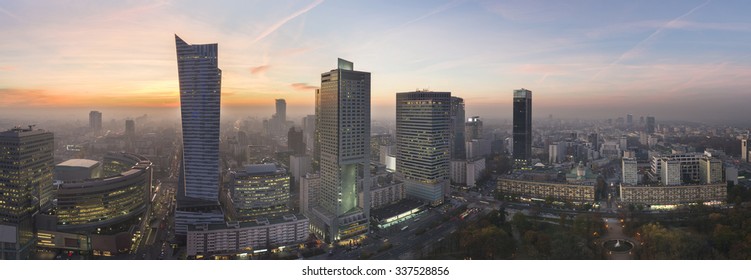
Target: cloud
[[7, 68], [8, 13], [303, 86], [259, 69], [280, 23]]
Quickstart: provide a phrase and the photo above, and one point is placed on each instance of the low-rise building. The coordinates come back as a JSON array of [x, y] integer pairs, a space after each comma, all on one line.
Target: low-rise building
[[544, 190], [673, 195]]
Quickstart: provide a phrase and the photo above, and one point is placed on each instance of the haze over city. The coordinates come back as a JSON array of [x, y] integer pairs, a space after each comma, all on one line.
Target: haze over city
[[674, 59]]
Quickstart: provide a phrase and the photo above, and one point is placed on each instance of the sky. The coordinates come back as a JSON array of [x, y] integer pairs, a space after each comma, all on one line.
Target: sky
[[581, 59]]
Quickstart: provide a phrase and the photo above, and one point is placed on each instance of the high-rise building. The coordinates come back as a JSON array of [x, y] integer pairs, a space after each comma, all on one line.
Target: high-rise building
[[630, 171], [200, 96], [423, 125], [26, 165], [630, 120], [593, 138], [95, 120], [281, 110], [317, 131], [710, 170], [522, 126], [295, 141], [671, 172], [343, 122], [650, 124], [308, 131], [130, 129], [458, 148], [744, 149], [473, 128]]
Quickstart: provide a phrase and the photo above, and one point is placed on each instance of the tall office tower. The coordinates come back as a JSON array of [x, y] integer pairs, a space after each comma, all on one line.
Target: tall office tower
[[423, 126], [522, 126], [309, 131], [629, 170], [281, 110], [344, 128], [95, 120], [130, 129], [623, 142], [473, 128], [26, 165], [650, 124], [630, 120], [458, 147], [200, 95], [295, 141], [592, 138], [744, 149], [710, 170]]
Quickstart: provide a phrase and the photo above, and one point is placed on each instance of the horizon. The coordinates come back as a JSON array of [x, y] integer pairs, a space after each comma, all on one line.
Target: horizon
[[580, 61]]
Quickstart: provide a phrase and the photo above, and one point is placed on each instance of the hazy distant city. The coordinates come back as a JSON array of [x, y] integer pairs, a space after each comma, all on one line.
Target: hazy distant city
[[349, 163]]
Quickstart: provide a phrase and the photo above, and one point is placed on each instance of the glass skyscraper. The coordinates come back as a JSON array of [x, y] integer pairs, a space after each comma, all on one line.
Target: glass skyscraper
[[458, 145], [200, 96], [423, 125], [522, 126]]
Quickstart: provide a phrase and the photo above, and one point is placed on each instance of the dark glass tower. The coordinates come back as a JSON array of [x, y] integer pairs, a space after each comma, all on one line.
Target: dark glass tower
[[458, 150], [522, 126]]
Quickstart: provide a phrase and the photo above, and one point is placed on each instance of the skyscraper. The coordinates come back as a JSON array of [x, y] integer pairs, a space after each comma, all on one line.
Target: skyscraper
[[522, 126], [95, 120], [650, 124], [281, 110], [458, 147], [629, 120], [295, 141], [26, 165], [423, 125], [130, 129], [473, 128], [200, 95], [344, 135]]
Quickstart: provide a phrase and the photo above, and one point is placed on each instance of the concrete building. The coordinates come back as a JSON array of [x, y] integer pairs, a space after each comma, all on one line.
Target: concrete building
[[556, 152], [386, 191], [689, 166], [543, 190], [629, 169], [674, 195], [78, 170], [670, 174], [248, 237], [200, 99], [467, 172], [744, 149], [343, 121], [710, 170], [26, 162], [308, 131], [310, 187], [260, 190], [422, 143], [522, 130]]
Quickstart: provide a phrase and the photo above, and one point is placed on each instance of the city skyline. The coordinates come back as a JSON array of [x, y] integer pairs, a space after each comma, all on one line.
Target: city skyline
[[610, 57]]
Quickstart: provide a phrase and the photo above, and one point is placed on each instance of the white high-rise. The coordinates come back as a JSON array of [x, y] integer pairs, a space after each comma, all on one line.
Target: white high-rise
[[343, 121], [630, 171], [423, 126], [200, 96]]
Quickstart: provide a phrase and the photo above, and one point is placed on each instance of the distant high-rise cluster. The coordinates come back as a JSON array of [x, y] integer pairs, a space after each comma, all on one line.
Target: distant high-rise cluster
[[522, 126]]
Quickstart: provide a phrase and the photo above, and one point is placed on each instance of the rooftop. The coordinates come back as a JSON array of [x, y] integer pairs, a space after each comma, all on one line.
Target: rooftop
[[78, 162]]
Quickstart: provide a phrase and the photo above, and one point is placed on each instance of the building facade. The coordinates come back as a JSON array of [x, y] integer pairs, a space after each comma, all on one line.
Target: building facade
[[26, 162], [343, 124], [630, 171], [95, 120], [200, 100], [423, 124], [671, 195], [260, 190], [522, 131], [543, 190], [458, 150]]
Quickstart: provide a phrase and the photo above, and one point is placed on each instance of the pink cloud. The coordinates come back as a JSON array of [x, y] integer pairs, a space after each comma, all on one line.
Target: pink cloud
[[259, 69], [303, 86]]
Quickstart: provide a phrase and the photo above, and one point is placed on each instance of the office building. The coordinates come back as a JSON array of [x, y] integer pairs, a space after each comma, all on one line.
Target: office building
[[95, 120], [130, 129], [522, 130], [473, 128], [710, 170], [629, 120], [423, 124], [343, 123], [630, 171], [26, 162], [259, 190], [308, 131], [295, 141], [650, 125], [458, 150], [200, 100], [671, 172]]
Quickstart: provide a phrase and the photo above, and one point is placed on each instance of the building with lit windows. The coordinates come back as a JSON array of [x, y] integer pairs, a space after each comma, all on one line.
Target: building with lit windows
[[247, 237], [259, 190], [200, 100], [423, 125], [26, 162], [343, 126], [540, 191], [674, 195]]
